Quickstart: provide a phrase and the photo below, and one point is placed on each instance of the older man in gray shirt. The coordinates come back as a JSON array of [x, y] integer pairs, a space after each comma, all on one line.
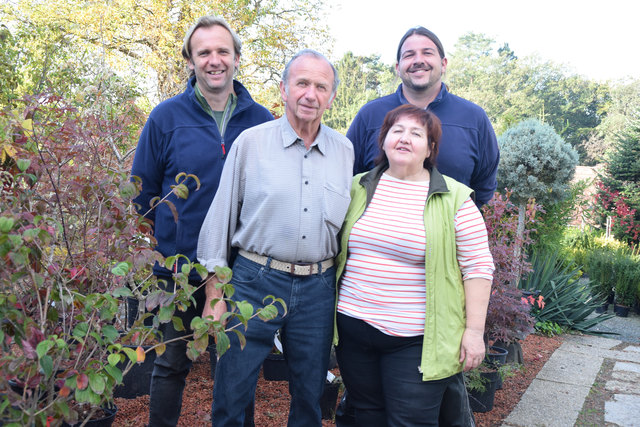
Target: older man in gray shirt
[[283, 195]]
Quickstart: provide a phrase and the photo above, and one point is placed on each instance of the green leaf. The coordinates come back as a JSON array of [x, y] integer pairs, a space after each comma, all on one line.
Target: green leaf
[[113, 359], [166, 313], [81, 329], [160, 348], [241, 338], [23, 164], [131, 354], [122, 292], [246, 309], [110, 332], [192, 353], [43, 347], [222, 343], [169, 262], [115, 373], [121, 269], [6, 224], [177, 323], [201, 270], [267, 313], [128, 190], [96, 382], [46, 363], [223, 274], [181, 191]]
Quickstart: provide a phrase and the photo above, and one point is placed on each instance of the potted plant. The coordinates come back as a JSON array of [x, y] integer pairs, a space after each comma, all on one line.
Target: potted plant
[[274, 367], [600, 266], [481, 385], [329, 399], [72, 244], [627, 275], [508, 319]]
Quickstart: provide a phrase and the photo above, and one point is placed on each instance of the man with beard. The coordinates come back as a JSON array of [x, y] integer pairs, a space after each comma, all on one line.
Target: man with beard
[[468, 148]]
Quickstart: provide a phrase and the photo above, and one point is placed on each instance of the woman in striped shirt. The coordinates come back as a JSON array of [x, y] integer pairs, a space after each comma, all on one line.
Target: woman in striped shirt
[[415, 276]]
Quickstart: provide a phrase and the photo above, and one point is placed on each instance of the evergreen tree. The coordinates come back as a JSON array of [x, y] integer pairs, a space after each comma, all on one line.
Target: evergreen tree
[[619, 190], [535, 163]]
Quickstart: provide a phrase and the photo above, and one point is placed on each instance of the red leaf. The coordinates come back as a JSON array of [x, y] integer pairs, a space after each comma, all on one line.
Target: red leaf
[[82, 381]]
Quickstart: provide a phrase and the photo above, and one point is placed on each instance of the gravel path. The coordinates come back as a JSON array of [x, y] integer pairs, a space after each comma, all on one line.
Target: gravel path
[[628, 328]]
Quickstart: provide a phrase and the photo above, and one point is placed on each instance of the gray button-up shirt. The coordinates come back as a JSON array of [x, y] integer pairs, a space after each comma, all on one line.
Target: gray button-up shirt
[[278, 199]]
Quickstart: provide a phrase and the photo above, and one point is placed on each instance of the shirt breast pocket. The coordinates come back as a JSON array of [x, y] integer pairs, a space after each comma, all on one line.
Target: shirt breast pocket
[[336, 203]]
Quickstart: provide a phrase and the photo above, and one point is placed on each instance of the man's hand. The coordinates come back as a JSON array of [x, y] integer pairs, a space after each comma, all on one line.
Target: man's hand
[[212, 293], [472, 349]]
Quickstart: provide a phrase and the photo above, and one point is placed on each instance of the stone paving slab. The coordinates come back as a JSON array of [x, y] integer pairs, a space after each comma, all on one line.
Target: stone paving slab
[[563, 366], [540, 403], [600, 347], [622, 387], [626, 366], [624, 410]]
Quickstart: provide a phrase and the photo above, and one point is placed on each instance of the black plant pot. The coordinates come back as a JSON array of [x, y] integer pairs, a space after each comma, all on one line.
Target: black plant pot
[[329, 400], [137, 382], [105, 421], [132, 313], [621, 310], [275, 368], [602, 309], [496, 357], [483, 401]]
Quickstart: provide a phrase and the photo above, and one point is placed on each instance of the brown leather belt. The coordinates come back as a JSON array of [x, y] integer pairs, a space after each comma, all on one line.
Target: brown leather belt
[[306, 269]]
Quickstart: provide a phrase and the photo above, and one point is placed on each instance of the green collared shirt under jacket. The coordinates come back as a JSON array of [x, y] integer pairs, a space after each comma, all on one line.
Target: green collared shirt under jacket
[[445, 318]]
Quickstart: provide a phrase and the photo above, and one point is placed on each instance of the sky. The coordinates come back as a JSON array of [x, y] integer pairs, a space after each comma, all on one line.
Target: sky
[[596, 39]]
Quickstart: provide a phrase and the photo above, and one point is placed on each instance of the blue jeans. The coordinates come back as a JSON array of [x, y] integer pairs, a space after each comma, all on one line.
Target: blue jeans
[[306, 329], [385, 387]]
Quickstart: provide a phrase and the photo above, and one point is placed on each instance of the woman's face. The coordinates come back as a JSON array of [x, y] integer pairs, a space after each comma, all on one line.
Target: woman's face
[[406, 143]]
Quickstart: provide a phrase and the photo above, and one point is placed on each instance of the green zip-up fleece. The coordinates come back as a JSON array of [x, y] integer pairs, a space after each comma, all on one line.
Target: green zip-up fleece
[[445, 318]]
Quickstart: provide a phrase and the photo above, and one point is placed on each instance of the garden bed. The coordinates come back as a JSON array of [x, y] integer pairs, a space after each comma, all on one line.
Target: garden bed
[[272, 397]]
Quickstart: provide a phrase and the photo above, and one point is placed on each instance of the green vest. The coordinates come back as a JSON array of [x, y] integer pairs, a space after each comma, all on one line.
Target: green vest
[[445, 319]]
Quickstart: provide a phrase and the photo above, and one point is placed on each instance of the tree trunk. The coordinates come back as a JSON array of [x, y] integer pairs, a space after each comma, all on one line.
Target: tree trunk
[[517, 251]]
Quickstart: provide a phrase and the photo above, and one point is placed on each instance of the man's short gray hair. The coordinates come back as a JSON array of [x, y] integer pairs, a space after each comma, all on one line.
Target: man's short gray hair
[[316, 54]]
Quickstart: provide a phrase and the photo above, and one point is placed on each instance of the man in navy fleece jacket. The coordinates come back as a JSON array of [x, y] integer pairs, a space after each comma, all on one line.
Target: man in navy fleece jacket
[[191, 133], [468, 148]]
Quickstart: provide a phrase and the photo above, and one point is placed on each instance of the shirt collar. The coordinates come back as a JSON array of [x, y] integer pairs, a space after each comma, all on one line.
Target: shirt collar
[[289, 136], [231, 101]]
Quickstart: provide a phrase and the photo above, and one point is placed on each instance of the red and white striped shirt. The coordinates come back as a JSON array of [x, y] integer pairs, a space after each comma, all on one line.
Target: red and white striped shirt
[[384, 278]]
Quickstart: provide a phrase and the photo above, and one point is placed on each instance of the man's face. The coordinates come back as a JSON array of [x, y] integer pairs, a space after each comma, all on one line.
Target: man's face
[[420, 67], [309, 90], [213, 59]]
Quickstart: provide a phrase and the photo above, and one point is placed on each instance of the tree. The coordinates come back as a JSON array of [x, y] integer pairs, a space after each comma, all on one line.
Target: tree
[[535, 162], [619, 189], [144, 37], [620, 110], [362, 79], [527, 87]]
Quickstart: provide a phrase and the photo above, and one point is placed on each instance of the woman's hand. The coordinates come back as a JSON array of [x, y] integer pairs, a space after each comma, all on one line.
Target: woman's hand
[[472, 349]]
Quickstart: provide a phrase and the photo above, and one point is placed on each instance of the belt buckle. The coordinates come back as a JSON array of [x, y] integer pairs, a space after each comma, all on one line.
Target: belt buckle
[[293, 269]]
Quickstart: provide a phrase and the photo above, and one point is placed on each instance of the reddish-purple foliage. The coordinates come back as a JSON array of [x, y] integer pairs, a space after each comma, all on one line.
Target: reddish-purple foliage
[[508, 318], [622, 215]]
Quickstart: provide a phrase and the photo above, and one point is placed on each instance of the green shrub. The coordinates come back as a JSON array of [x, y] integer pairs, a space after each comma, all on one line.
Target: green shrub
[[600, 266], [627, 275], [568, 301]]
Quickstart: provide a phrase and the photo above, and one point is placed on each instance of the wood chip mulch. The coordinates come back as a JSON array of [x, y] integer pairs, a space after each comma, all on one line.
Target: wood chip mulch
[[272, 397]]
